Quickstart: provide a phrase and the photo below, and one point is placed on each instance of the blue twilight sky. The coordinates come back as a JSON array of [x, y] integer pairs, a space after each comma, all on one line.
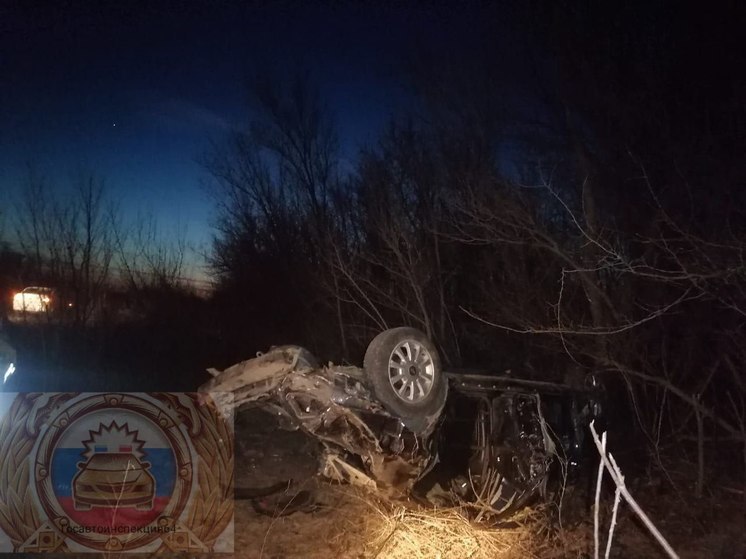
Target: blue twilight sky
[[136, 90]]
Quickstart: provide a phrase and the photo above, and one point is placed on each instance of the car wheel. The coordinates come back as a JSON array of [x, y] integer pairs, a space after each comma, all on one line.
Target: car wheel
[[404, 370]]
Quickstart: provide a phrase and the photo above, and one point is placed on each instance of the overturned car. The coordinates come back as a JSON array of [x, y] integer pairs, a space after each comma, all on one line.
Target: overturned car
[[402, 426]]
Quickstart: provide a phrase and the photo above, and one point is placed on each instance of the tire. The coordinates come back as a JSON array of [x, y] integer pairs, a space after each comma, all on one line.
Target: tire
[[404, 370]]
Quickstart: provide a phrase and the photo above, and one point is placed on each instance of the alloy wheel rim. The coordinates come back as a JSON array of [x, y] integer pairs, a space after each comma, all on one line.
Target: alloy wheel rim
[[411, 371]]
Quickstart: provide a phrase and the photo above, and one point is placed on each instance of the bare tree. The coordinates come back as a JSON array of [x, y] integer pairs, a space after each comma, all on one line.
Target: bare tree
[[68, 238], [145, 257], [276, 184]]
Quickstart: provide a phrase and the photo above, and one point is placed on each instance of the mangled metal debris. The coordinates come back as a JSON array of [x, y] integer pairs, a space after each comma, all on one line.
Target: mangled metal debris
[[387, 425]]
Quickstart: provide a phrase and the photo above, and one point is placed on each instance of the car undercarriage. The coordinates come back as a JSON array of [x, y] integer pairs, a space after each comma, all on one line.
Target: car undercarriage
[[400, 425]]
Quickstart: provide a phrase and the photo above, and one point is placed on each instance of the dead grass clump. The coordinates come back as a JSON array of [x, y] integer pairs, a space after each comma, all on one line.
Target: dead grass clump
[[392, 531], [353, 524]]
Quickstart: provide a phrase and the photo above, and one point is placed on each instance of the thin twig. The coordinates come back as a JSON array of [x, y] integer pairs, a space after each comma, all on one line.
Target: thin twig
[[616, 475], [597, 504], [612, 525]]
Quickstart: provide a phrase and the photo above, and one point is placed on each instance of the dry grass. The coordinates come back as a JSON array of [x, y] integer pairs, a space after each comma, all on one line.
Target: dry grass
[[354, 524], [415, 534]]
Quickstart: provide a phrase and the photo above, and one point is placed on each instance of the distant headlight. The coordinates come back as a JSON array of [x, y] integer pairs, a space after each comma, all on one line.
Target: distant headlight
[[9, 371]]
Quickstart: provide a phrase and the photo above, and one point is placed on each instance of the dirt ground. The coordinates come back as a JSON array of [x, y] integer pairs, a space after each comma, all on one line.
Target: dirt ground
[[346, 523]]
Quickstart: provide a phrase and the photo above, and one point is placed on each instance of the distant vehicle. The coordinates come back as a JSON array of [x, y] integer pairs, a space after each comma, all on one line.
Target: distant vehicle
[[36, 303], [113, 480], [33, 300]]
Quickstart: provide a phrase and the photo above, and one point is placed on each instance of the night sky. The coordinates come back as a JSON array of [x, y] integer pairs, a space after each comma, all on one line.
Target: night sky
[[135, 92]]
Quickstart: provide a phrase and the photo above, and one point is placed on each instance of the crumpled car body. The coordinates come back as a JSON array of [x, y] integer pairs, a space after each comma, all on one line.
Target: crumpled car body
[[383, 426], [334, 405]]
